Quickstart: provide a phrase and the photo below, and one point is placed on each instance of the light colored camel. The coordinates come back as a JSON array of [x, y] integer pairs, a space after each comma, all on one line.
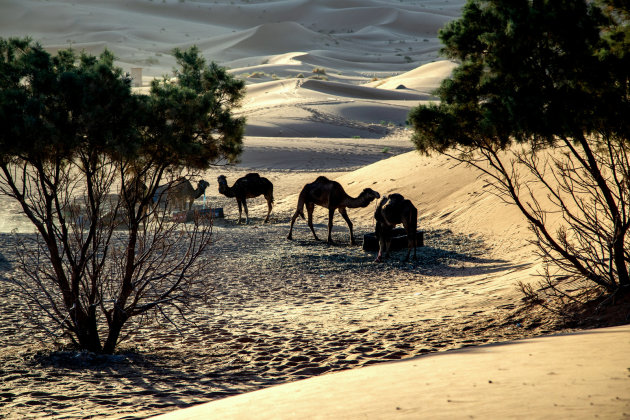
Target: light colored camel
[[331, 195], [394, 209], [249, 186], [135, 193], [180, 194]]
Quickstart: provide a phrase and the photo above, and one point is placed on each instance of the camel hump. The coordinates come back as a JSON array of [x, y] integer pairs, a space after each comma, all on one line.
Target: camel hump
[[389, 201], [396, 198], [179, 181], [391, 208], [254, 176], [322, 178]]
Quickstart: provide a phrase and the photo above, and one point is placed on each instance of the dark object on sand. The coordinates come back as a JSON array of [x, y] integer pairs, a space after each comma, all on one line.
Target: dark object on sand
[[249, 186], [399, 240], [188, 216], [331, 195]]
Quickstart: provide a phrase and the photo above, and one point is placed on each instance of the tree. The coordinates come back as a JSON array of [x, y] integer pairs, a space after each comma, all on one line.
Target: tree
[[540, 104], [83, 156]]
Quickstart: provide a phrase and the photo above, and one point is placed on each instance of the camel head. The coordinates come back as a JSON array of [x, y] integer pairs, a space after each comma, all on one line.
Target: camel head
[[202, 185], [223, 185], [370, 194]]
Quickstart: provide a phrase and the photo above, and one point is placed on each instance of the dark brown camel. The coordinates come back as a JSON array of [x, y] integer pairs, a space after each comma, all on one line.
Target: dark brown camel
[[250, 186], [329, 194], [391, 211]]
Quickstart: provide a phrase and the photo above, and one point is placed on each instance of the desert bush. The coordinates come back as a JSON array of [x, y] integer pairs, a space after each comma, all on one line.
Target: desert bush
[[319, 70], [83, 158], [539, 102]]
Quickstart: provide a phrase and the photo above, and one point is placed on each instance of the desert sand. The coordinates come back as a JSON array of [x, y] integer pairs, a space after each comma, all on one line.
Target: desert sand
[[560, 381], [286, 310]]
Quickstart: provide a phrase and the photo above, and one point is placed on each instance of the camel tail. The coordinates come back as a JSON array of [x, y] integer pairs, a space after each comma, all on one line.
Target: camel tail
[[300, 205], [300, 208], [269, 187]]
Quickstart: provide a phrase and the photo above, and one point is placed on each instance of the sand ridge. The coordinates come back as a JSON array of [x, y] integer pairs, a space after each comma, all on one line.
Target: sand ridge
[[142, 32]]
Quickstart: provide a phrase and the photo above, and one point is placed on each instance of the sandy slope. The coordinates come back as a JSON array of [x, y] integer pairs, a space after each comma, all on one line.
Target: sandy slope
[[551, 377]]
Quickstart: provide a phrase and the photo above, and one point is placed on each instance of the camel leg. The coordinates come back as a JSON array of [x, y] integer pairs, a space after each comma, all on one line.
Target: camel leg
[[331, 215], [411, 226], [388, 239], [298, 212], [411, 242], [269, 207], [381, 241], [240, 210], [309, 209], [344, 214], [246, 212], [295, 215], [383, 233]]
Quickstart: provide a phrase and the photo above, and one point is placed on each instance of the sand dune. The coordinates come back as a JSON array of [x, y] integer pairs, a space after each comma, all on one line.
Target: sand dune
[[360, 92], [488, 382], [425, 78], [353, 41], [267, 39], [142, 32], [317, 108]]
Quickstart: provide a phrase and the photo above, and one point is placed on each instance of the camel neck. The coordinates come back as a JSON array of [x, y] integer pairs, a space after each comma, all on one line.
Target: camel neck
[[360, 201], [226, 191]]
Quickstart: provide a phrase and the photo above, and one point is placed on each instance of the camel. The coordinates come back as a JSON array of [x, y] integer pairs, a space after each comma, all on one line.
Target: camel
[[249, 186], [180, 192], [135, 192], [391, 211], [331, 195]]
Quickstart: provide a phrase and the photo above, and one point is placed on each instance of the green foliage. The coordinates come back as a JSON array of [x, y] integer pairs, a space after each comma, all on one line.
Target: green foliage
[[542, 74], [529, 71], [56, 107], [199, 127], [74, 135]]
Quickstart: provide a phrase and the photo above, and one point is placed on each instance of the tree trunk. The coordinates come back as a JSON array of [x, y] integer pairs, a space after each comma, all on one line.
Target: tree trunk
[[618, 239], [115, 328], [87, 331]]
